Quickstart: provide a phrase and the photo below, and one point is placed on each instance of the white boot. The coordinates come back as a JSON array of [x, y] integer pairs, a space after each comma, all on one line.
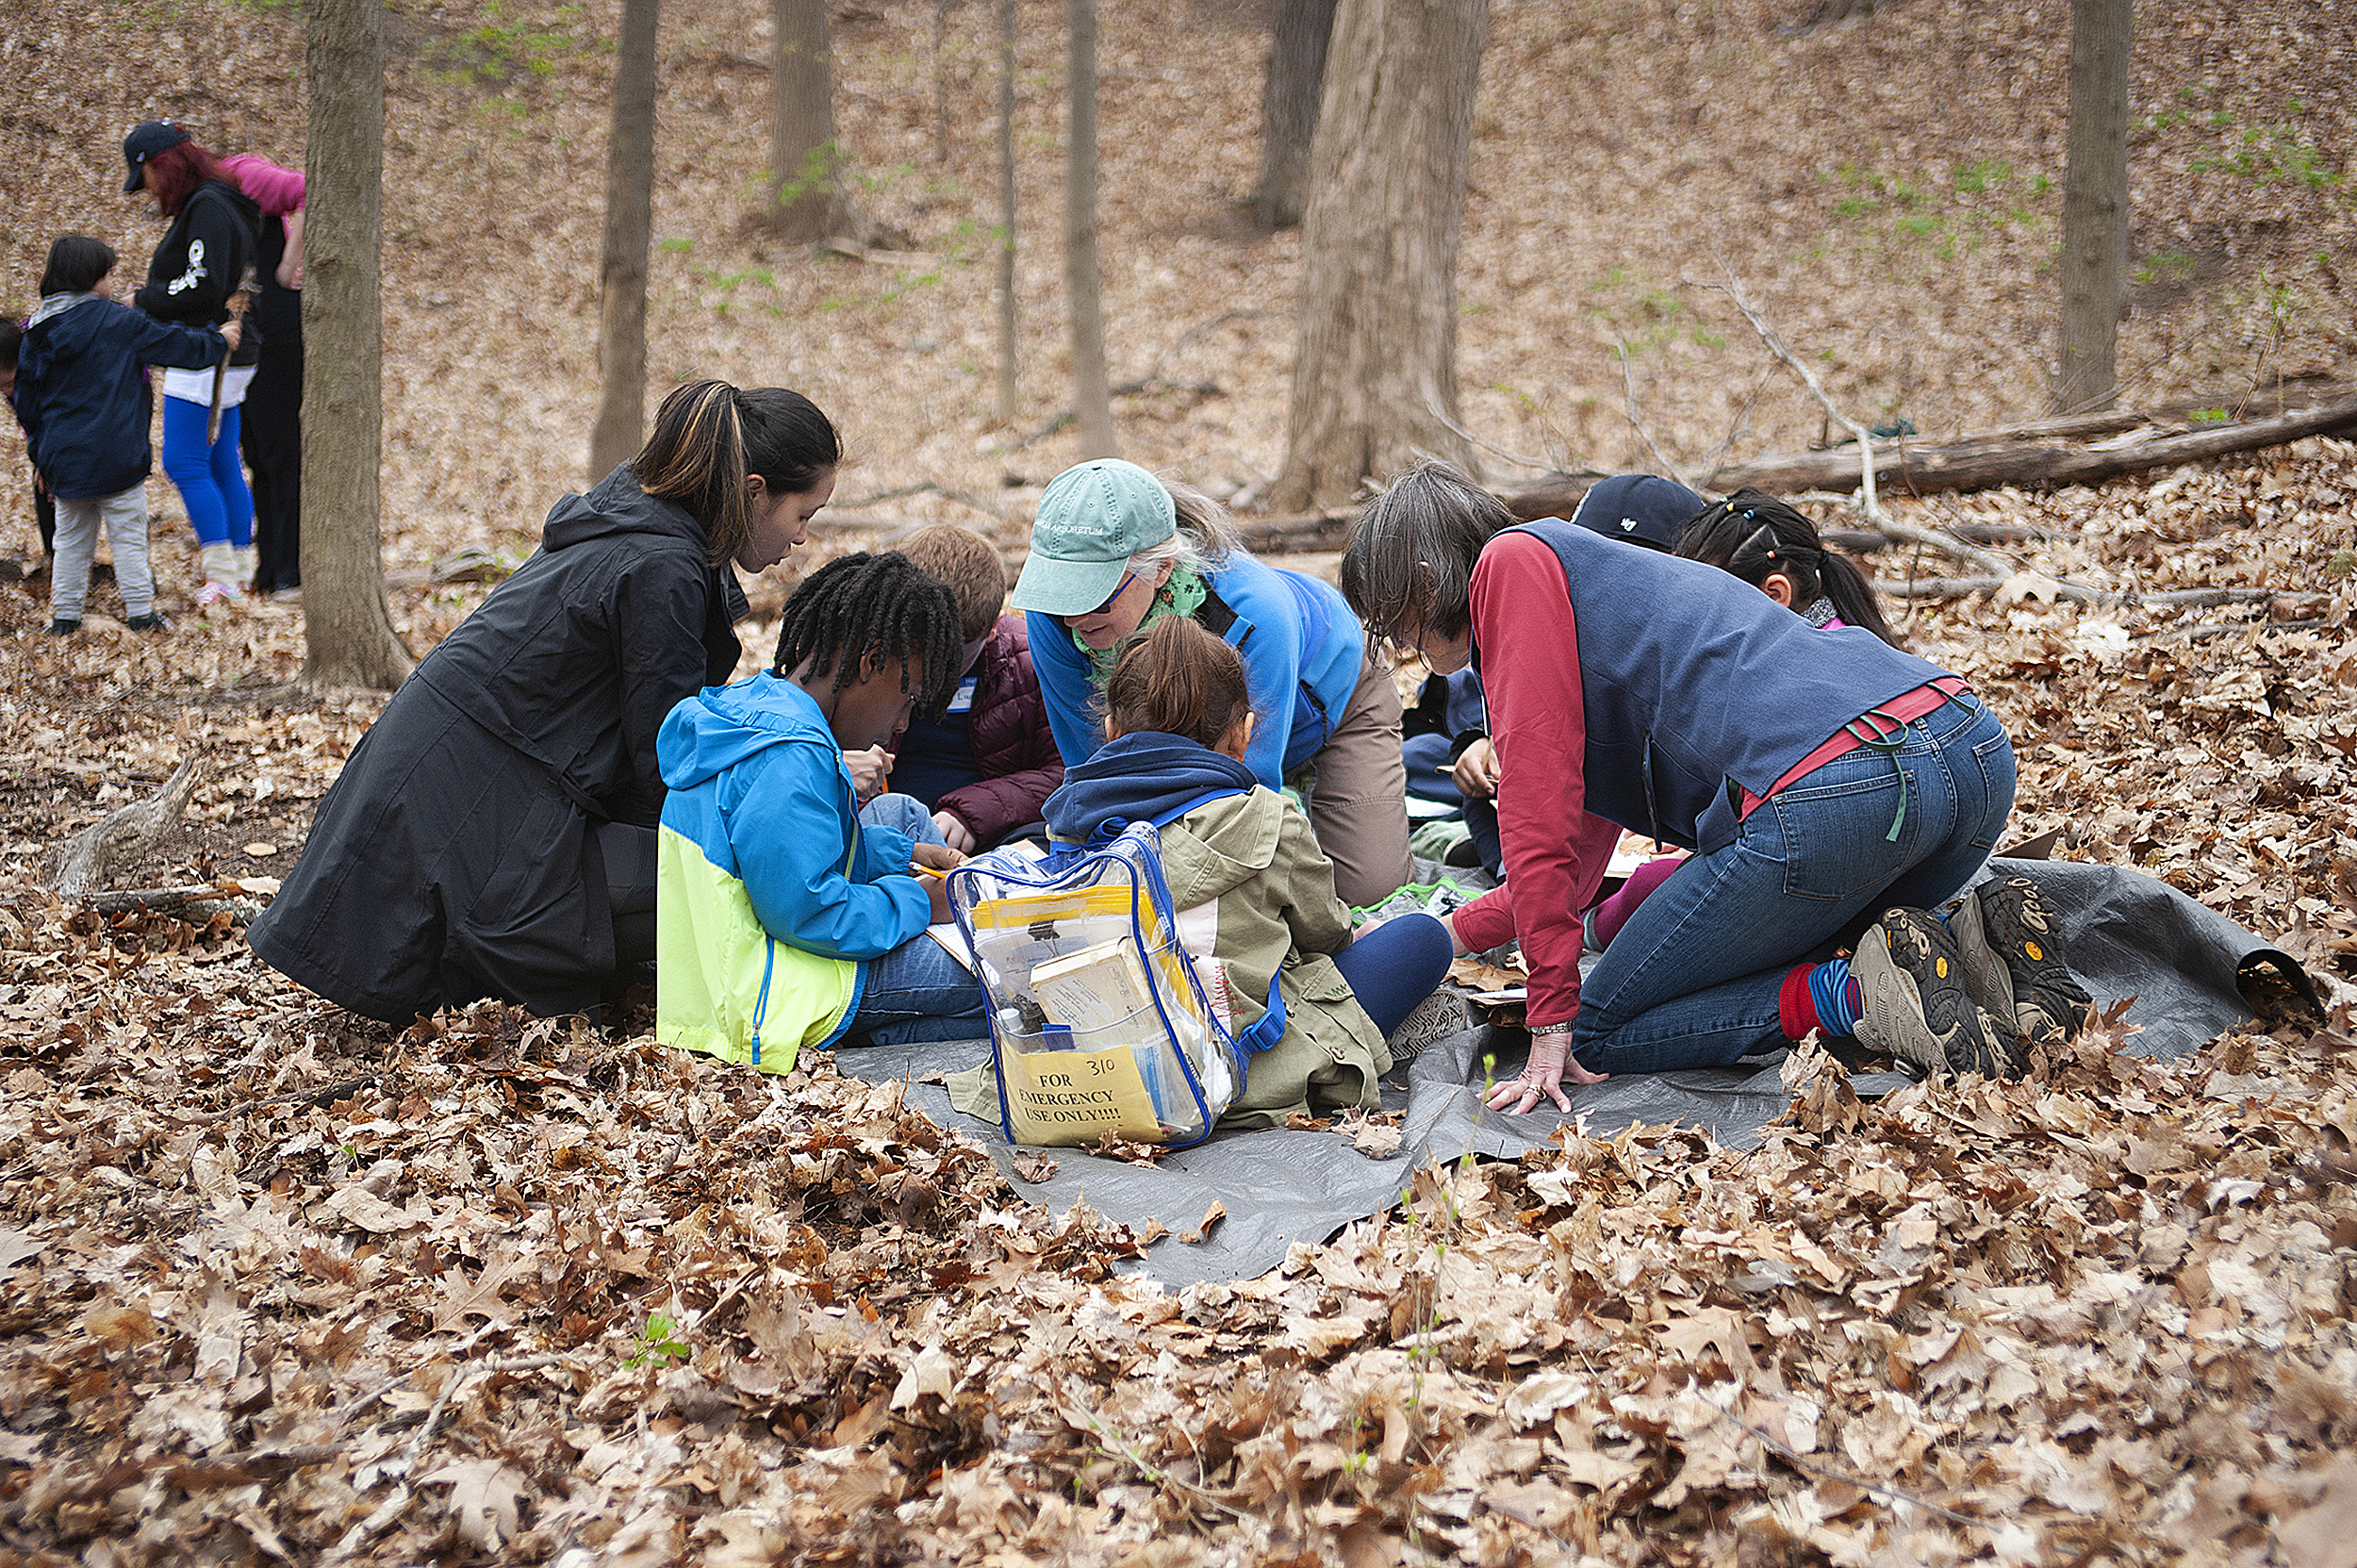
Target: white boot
[[219, 563], [249, 562]]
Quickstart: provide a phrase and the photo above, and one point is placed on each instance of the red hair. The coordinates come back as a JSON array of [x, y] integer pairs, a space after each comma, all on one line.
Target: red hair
[[178, 170]]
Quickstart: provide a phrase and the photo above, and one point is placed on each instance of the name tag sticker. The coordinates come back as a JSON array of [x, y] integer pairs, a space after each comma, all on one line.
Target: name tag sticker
[[963, 701]]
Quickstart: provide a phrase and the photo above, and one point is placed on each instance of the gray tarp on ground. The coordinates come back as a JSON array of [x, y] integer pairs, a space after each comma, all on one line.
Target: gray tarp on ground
[[2129, 935]]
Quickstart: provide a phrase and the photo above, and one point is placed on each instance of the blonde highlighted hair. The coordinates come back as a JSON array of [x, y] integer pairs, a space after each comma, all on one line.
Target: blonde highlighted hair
[[709, 437]]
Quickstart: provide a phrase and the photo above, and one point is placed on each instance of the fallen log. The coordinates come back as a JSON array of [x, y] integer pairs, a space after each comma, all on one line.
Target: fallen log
[[2076, 593], [1920, 469], [1865, 541], [126, 832], [1310, 531]]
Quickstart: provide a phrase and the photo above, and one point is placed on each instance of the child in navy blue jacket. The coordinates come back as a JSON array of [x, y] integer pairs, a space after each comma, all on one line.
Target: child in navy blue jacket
[[84, 401]]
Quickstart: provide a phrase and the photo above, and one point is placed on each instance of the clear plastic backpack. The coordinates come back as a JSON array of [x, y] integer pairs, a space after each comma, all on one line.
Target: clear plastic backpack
[[1098, 1020]]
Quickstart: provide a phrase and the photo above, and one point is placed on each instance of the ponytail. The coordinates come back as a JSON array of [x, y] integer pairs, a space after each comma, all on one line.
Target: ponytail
[[709, 437], [1180, 680], [1753, 535], [697, 458]]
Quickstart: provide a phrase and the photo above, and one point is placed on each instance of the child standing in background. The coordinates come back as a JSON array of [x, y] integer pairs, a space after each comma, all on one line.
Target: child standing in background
[[44, 510], [987, 764], [85, 403], [1179, 719], [784, 922]]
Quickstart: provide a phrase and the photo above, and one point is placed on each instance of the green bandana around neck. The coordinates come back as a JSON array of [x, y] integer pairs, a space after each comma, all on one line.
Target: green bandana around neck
[[1181, 596]]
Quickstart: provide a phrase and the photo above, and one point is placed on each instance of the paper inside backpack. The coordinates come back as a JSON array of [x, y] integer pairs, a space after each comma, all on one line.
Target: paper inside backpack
[[1023, 852], [1075, 1097]]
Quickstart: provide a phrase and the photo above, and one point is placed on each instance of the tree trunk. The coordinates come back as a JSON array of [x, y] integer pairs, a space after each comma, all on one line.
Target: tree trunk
[[2095, 204], [941, 83], [347, 627], [629, 230], [806, 198], [1374, 367], [1289, 109], [1007, 406], [1092, 394]]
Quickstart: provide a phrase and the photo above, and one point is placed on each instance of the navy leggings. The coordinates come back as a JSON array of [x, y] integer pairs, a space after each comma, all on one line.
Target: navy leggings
[[1396, 965]]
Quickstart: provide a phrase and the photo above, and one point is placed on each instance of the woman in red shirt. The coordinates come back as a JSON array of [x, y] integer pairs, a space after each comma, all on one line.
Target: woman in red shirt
[[1821, 776]]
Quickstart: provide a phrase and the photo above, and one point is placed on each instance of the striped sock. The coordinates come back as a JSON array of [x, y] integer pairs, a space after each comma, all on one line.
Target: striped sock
[[1820, 996]]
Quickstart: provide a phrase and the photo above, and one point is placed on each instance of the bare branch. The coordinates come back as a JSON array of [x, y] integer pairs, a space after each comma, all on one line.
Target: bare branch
[[926, 488], [1432, 406], [1628, 380], [2077, 593], [1734, 291]]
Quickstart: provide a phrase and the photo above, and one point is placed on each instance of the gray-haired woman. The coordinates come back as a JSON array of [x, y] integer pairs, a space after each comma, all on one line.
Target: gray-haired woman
[[1116, 549]]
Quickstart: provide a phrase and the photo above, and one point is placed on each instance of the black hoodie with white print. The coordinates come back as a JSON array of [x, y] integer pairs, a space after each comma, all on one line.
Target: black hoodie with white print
[[200, 260]]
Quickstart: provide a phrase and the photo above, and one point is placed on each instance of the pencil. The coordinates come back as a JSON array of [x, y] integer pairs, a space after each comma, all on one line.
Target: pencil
[[914, 870]]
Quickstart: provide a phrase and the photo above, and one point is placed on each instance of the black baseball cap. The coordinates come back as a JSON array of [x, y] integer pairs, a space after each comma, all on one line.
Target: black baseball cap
[[1642, 508], [146, 139]]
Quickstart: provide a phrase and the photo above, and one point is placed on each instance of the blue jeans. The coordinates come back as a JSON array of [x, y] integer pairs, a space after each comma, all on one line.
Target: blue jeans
[[903, 814], [212, 485], [917, 992], [1394, 966], [1691, 980]]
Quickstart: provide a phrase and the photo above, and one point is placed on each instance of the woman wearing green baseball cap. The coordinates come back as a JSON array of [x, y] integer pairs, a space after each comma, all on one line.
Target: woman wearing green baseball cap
[[1116, 549]]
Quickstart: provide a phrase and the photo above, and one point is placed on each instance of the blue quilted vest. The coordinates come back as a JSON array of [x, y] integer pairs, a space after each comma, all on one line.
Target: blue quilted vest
[[1698, 686]]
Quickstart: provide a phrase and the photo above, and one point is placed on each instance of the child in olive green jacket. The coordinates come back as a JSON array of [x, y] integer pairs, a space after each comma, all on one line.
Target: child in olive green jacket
[[1241, 861]]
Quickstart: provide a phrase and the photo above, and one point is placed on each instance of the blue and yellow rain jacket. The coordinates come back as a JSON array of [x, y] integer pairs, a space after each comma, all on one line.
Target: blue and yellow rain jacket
[[771, 893]]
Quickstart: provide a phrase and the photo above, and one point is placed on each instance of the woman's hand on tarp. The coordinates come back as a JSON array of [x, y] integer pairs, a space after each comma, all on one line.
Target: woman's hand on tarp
[[1551, 1061], [961, 837]]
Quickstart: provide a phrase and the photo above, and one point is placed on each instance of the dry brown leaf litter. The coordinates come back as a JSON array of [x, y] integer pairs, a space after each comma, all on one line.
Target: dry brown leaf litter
[[281, 1286]]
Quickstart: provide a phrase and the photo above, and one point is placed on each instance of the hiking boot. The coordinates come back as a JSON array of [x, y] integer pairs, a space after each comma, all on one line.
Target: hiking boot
[[1438, 1016], [1911, 980], [2011, 941], [152, 622]]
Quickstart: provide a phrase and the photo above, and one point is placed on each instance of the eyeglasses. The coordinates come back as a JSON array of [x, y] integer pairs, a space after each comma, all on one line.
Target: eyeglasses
[[1126, 578]]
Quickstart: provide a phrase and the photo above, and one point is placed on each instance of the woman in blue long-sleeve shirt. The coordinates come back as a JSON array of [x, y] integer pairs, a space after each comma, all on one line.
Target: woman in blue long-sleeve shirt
[[1116, 549]]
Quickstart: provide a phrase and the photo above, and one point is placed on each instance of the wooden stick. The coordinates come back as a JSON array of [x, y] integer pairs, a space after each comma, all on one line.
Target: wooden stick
[[1629, 382]]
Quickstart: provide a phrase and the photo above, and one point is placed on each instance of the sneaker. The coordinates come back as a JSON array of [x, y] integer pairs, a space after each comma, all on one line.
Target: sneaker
[[1911, 979], [64, 628], [214, 593], [1438, 1016], [287, 596], [152, 622], [2011, 941]]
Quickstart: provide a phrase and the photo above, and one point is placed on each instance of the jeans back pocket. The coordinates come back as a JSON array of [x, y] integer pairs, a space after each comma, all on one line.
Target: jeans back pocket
[[1837, 834]]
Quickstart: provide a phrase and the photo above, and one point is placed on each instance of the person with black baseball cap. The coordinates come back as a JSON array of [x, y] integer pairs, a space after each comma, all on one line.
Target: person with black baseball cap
[[203, 260]]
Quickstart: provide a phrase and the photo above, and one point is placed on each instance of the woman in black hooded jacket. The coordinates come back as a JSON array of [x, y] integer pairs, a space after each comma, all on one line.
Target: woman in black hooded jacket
[[204, 258], [493, 834]]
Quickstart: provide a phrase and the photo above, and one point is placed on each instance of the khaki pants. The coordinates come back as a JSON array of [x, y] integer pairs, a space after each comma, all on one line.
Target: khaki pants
[[1357, 792]]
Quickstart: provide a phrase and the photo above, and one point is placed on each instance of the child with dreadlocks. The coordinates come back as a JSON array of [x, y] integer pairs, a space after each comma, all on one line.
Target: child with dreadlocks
[[783, 922]]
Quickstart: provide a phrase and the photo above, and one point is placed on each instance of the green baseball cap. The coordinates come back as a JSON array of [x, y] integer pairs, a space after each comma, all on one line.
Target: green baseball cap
[[1091, 518]]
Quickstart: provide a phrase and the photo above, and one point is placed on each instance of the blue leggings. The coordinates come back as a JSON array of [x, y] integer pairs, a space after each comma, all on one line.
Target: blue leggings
[[1394, 966], [212, 486]]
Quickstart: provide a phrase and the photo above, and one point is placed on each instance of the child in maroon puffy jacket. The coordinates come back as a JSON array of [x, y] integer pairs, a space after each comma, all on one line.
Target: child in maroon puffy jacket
[[984, 767]]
